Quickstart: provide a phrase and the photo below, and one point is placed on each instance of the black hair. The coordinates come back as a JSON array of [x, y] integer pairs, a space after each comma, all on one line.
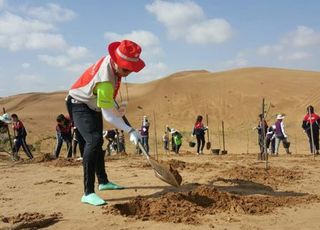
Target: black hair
[[310, 109], [199, 118], [60, 118], [14, 115]]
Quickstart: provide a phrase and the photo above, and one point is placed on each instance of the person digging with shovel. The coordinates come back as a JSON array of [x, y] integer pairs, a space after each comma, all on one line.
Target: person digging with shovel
[[199, 131], [20, 135], [91, 98], [310, 125], [63, 134]]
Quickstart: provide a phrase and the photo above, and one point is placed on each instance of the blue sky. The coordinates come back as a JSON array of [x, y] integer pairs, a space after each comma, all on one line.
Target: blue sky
[[46, 45]]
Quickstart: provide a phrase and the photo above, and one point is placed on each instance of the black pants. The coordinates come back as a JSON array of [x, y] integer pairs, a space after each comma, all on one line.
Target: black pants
[[172, 144], [166, 145], [261, 142], [200, 142], [74, 147], [145, 143], [60, 141], [177, 148], [109, 145], [21, 141], [315, 133], [78, 140], [89, 125], [272, 142]]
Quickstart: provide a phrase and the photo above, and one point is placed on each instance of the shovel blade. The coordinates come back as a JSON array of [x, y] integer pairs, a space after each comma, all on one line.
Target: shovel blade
[[163, 172]]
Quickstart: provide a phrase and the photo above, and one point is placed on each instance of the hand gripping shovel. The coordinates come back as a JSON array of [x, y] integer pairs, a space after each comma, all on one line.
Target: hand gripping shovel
[[163, 172]]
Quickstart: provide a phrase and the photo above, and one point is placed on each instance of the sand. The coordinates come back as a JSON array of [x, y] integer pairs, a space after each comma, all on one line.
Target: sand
[[217, 191], [233, 191]]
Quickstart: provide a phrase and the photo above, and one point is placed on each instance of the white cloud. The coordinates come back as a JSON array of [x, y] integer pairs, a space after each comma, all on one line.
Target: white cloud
[[152, 71], [29, 82], [25, 65], [269, 49], [295, 46], [67, 60], [209, 31], [29, 33], [239, 61], [296, 56], [78, 68], [57, 61], [17, 33], [50, 13], [142, 37], [186, 20], [77, 52], [147, 40], [11, 24], [2, 3], [303, 36], [176, 16]]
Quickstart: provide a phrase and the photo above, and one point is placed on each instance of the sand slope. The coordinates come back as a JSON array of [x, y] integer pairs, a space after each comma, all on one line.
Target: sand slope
[[233, 96], [232, 191]]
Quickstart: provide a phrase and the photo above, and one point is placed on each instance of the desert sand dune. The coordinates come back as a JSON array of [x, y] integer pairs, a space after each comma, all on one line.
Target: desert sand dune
[[233, 96], [232, 191]]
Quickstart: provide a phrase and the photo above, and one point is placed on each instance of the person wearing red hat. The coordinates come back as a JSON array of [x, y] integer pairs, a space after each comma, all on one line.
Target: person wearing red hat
[[92, 98]]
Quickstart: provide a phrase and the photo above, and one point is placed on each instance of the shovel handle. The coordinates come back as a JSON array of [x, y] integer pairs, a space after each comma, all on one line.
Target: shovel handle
[[141, 147]]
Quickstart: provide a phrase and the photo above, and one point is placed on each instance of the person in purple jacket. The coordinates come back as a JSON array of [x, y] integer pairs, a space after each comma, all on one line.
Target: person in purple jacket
[[281, 135]]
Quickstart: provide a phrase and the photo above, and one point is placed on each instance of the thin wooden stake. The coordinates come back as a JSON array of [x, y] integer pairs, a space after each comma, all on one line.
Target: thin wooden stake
[[155, 136], [311, 130]]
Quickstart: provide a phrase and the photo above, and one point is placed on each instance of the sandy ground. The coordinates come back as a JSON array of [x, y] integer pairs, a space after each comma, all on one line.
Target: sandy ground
[[232, 191], [283, 197]]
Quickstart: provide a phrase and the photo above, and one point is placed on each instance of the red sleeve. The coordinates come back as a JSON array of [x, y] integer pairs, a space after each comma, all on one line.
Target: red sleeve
[[18, 125], [306, 117]]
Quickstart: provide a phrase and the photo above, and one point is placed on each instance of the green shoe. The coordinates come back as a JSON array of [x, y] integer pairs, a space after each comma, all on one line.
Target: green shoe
[[93, 199], [110, 186]]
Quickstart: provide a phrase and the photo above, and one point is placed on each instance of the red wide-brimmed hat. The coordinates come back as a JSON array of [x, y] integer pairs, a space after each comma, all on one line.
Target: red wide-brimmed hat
[[126, 54]]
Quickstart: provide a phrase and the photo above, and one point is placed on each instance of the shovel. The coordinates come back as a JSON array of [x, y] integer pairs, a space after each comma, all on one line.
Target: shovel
[[163, 172], [208, 145]]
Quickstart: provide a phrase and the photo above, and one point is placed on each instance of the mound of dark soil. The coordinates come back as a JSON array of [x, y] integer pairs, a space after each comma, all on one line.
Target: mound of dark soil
[[186, 207]]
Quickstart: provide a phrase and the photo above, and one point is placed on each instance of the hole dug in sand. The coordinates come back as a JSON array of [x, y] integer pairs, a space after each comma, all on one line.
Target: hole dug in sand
[[33, 220], [187, 207]]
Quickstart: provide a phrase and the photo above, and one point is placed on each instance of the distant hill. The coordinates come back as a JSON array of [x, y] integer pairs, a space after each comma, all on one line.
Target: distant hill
[[234, 96]]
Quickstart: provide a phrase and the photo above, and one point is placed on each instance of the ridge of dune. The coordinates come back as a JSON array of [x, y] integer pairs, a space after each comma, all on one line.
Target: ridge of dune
[[233, 96]]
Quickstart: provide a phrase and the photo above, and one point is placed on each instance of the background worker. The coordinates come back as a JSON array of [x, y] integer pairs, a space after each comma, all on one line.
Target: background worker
[[110, 136], [281, 135], [177, 139], [20, 134], [144, 132], [312, 121], [262, 132], [199, 131], [63, 134]]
